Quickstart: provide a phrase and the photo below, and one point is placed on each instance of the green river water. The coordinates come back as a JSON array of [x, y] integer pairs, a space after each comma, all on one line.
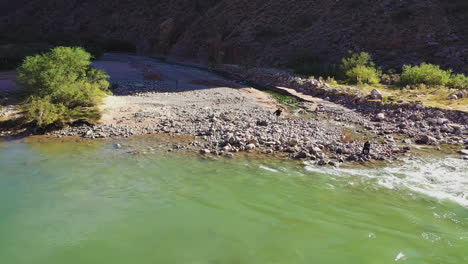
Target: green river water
[[92, 203]]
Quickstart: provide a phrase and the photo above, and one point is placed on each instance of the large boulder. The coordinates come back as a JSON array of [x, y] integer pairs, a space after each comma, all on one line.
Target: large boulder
[[302, 155], [379, 117], [250, 146], [205, 151], [428, 140], [376, 95]]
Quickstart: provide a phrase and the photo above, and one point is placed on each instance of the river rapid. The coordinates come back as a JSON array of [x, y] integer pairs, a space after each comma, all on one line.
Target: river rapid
[[90, 202]]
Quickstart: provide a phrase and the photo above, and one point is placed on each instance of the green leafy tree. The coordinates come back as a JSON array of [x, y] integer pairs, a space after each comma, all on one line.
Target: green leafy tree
[[363, 74], [61, 86], [44, 112], [357, 59], [359, 68]]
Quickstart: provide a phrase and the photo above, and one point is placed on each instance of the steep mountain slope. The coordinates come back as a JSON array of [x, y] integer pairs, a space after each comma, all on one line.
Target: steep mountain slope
[[258, 32]]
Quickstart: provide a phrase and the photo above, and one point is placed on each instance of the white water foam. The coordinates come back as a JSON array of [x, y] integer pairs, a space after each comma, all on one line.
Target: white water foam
[[268, 168], [443, 179]]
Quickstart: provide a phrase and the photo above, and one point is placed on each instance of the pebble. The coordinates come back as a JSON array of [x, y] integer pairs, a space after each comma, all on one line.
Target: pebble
[[205, 151]]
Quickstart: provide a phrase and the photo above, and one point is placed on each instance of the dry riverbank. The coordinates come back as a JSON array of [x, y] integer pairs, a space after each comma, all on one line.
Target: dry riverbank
[[222, 117]]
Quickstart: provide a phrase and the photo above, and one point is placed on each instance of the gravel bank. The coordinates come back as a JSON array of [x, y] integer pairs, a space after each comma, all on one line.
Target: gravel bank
[[225, 117]]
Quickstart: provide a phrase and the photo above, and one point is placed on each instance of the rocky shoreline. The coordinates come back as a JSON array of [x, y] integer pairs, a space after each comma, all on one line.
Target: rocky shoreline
[[313, 135], [224, 121]]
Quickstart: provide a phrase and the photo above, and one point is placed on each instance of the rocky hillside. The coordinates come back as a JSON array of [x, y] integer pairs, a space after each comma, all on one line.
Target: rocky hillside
[[257, 32]]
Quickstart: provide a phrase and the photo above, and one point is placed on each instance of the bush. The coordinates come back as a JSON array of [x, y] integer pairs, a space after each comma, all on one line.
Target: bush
[[357, 59], [359, 68], [363, 74], [390, 78], [458, 81], [44, 112], [62, 86], [425, 73]]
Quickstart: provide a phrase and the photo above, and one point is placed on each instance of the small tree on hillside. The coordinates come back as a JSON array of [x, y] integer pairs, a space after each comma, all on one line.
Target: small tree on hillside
[[359, 68]]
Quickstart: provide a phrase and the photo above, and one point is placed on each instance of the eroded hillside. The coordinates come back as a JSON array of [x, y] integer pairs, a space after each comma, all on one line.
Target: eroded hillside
[[257, 32]]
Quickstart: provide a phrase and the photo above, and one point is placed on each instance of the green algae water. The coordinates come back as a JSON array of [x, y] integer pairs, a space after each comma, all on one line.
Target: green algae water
[[92, 203]]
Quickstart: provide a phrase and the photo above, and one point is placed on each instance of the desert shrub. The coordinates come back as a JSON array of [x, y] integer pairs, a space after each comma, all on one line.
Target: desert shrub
[[359, 68], [390, 78], [425, 73], [363, 74], [331, 81], [357, 59], [43, 111], [458, 81], [61, 86]]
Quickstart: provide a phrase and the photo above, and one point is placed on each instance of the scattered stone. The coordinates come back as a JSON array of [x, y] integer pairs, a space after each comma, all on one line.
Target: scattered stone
[[293, 142], [428, 140], [268, 151], [250, 147], [229, 155], [205, 151], [380, 117], [453, 97], [322, 162], [262, 123], [227, 148], [376, 95], [463, 152], [455, 126], [292, 149], [302, 155]]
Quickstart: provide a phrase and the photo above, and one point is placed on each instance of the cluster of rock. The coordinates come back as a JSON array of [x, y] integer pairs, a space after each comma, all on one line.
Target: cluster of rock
[[130, 87], [458, 95], [411, 119], [229, 132], [226, 131]]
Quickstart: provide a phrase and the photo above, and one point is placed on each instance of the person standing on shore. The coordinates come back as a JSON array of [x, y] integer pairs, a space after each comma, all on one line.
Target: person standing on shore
[[366, 149], [278, 113]]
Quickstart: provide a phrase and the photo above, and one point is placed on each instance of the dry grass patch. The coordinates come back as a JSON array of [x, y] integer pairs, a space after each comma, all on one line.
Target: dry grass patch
[[428, 96]]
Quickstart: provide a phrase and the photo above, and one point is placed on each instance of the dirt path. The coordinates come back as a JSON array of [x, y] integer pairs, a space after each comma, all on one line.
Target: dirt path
[[168, 89]]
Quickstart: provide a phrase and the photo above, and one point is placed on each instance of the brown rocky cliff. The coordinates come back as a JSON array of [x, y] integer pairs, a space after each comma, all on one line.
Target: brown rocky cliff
[[259, 32]]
